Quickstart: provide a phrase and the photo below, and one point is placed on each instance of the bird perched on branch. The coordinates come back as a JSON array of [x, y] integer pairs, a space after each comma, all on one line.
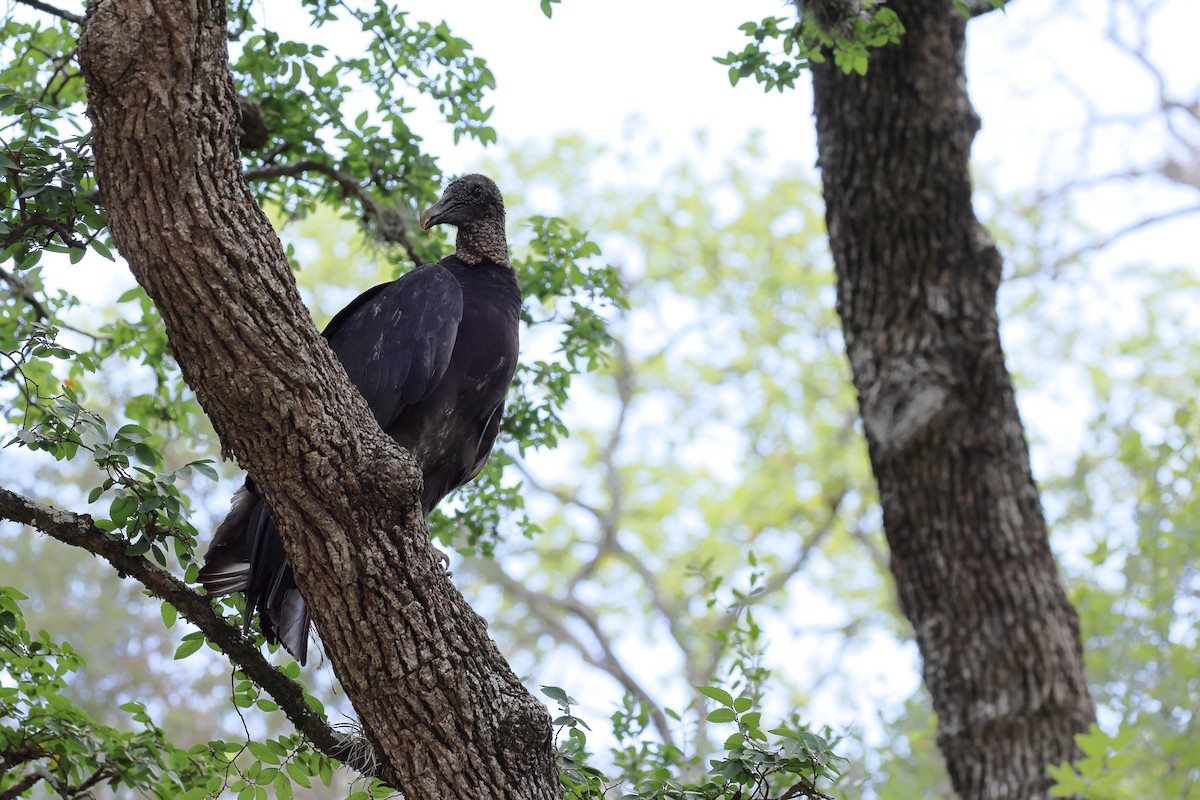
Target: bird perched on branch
[[433, 353]]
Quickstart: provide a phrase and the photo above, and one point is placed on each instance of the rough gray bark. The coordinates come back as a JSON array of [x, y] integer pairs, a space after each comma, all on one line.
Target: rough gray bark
[[445, 713], [917, 278]]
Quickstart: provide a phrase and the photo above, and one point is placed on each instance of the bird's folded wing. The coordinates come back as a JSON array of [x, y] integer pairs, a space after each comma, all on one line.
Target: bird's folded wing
[[395, 339]]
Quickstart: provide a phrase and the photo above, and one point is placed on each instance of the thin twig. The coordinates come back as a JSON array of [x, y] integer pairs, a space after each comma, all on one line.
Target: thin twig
[[1120, 233], [49, 9], [561, 495], [781, 578], [100, 774], [22, 290]]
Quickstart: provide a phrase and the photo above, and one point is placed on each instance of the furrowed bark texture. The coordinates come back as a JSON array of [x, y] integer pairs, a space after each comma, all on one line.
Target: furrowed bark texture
[[917, 278], [445, 713]]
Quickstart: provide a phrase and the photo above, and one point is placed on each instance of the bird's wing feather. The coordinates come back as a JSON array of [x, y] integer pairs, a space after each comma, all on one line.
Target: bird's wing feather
[[395, 339]]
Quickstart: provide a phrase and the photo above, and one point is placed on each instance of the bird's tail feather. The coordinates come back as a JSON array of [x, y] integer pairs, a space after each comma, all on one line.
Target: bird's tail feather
[[246, 555], [227, 563]]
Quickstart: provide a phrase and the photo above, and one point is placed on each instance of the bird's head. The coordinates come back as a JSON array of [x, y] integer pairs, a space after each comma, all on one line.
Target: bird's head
[[471, 198]]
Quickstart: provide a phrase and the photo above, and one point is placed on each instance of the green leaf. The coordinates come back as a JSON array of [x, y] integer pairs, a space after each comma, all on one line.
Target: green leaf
[[262, 752], [169, 614], [146, 454], [715, 693], [132, 432], [187, 647], [139, 548], [555, 693], [299, 774], [283, 787], [721, 715], [205, 468]]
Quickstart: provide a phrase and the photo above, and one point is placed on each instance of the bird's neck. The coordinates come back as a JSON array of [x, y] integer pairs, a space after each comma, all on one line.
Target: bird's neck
[[482, 240]]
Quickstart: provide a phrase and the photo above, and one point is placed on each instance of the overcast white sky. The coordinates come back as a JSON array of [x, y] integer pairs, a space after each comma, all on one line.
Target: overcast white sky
[[598, 63]]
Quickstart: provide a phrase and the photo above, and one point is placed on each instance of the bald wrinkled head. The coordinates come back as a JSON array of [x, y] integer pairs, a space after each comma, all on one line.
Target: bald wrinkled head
[[471, 198], [474, 205]]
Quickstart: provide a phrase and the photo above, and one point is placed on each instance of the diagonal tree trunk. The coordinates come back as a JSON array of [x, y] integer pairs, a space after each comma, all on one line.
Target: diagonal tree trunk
[[444, 712], [917, 278]]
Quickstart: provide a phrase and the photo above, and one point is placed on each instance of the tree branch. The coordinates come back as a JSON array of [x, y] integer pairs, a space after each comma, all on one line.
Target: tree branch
[[49, 9], [22, 290], [1120, 233], [392, 227], [78, 530], [977, 8], [561, 495], [22, 786], [608, 661]]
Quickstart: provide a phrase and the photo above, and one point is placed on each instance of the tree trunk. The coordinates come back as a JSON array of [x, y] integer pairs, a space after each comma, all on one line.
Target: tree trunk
[[916, 279], [444, 712]]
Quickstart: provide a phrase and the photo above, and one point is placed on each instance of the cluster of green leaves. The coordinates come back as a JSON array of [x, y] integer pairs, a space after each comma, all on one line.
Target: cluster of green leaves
[[754, 761], [45, 736], [147, 506], [251, 766], [741, 637], [569, 288], [254, 766], [799, 43], [47, 197], [1140, 613], [787, 761], [310, 97]]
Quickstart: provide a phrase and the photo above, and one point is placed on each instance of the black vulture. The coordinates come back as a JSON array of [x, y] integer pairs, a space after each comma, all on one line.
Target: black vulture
[[433, 353]]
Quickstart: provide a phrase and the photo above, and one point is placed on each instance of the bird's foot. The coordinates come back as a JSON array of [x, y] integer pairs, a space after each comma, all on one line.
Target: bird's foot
[[443, 560]]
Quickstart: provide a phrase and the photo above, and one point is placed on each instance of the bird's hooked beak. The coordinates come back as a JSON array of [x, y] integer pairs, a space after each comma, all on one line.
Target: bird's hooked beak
[[436, 212]]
